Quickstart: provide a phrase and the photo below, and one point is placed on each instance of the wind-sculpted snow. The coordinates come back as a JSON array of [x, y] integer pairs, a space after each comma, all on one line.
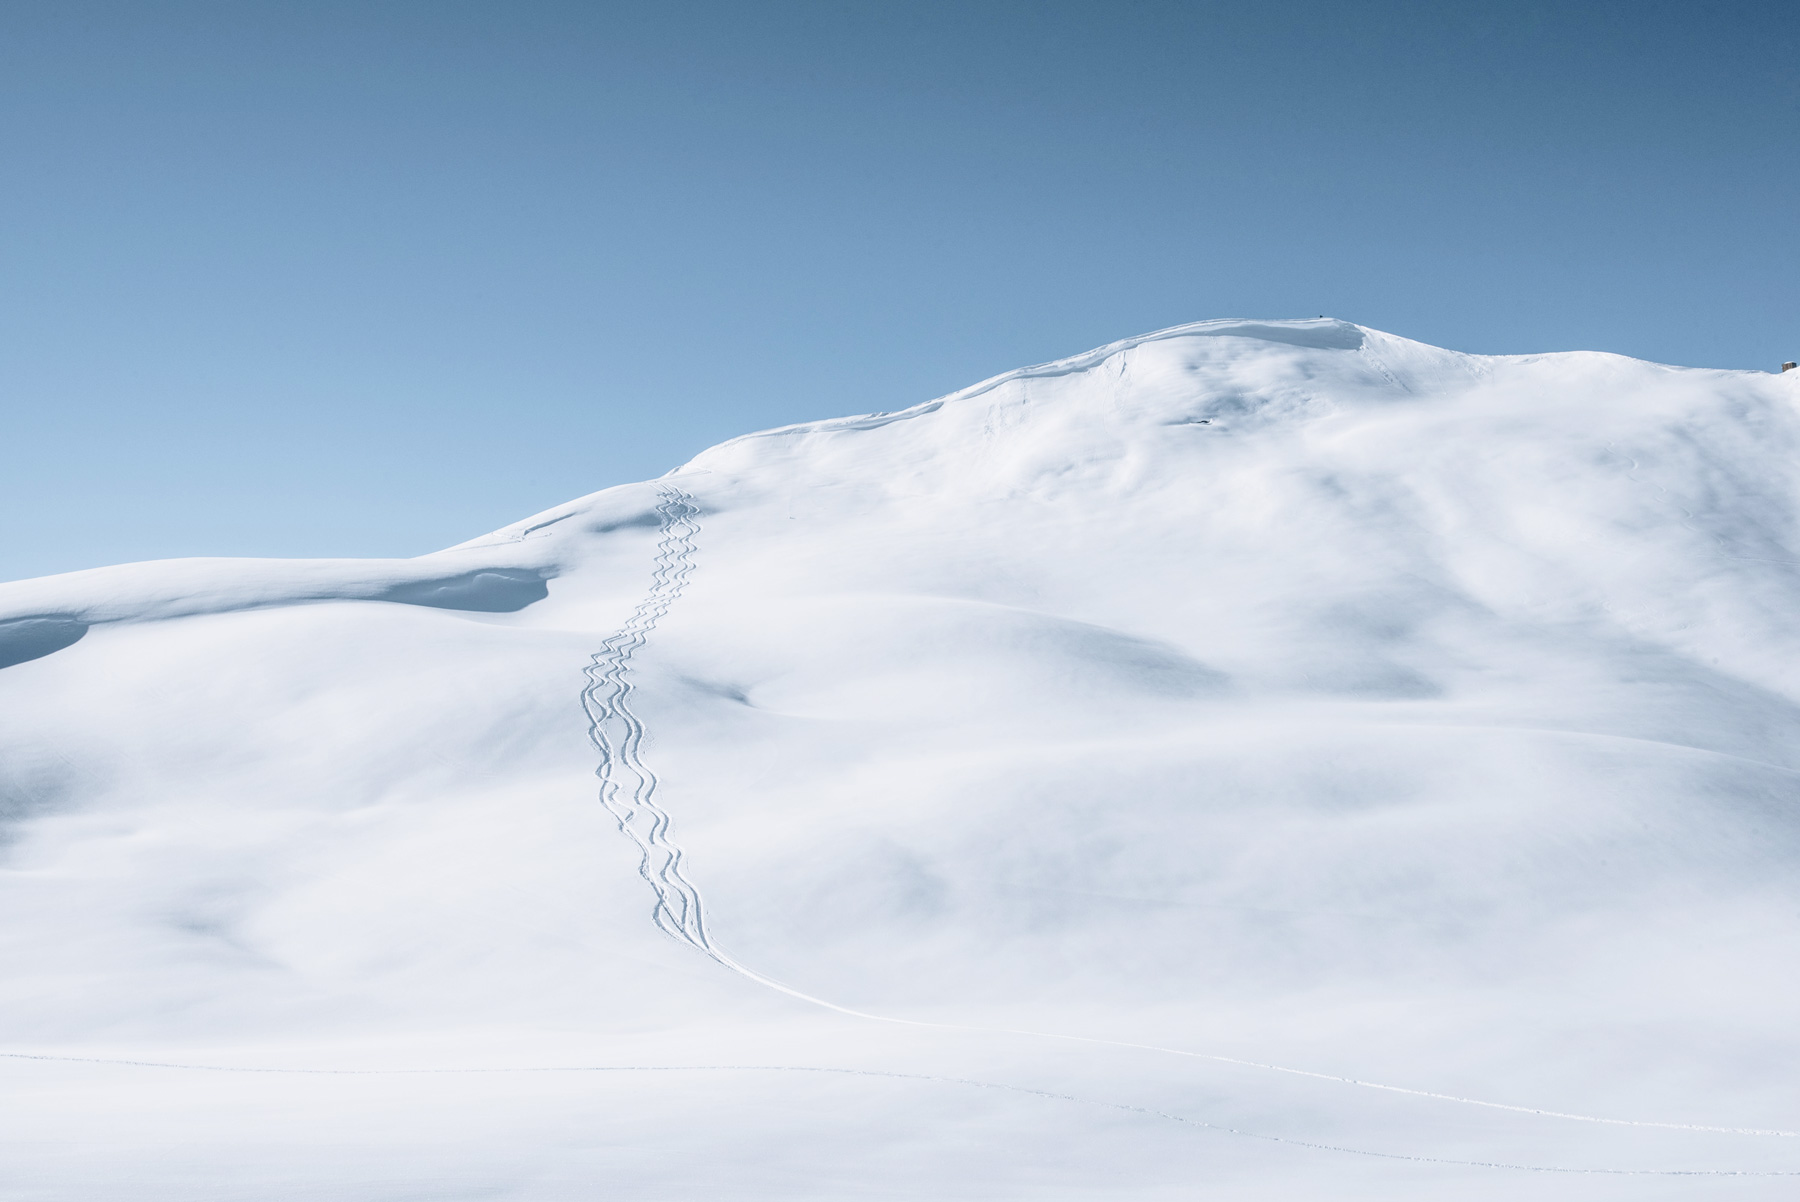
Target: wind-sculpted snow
[[1324, 334], [494, 591], [1256, 759], [186, 588], [25, 639]]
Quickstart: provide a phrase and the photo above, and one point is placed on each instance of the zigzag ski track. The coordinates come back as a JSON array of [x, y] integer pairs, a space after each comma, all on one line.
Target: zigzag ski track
[[627, 785]]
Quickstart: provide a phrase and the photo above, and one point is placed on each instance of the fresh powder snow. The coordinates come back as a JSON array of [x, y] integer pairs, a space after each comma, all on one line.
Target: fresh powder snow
[[1256, 760]]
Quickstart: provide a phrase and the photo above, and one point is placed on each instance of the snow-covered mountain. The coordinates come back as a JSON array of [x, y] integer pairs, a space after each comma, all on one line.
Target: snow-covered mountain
[[1257, 760]]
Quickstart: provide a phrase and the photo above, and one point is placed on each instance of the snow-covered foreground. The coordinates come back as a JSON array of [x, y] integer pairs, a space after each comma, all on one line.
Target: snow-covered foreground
[[1253, 761]]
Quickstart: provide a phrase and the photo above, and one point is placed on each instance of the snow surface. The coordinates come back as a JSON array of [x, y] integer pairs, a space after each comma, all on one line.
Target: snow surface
[[1253, 761]]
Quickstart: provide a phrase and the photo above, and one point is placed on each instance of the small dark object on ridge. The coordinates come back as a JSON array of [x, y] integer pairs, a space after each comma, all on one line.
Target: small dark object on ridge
[[1789, 366]]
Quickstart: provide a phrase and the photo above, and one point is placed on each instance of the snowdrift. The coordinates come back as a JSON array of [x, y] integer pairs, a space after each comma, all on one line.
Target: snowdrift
[[1255, 760]]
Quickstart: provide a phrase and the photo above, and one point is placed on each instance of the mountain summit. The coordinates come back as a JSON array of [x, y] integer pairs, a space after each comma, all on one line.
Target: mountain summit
[[1264, 759]]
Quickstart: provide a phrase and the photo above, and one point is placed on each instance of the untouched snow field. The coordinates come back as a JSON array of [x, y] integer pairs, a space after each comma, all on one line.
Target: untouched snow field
[[1252, 761]]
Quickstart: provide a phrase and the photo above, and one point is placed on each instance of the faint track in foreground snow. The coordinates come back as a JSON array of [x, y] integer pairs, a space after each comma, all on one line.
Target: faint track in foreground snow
[[617, 734], [999, 1086]]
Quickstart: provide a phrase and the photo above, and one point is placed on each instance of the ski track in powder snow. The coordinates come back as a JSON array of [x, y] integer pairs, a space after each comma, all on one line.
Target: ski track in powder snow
[[617, 734]]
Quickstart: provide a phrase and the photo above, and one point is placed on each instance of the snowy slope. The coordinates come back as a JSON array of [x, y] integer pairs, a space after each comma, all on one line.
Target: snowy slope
[[1255, 760]]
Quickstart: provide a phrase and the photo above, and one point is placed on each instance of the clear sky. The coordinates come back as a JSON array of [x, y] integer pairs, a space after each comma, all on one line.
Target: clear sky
[[319, 278]]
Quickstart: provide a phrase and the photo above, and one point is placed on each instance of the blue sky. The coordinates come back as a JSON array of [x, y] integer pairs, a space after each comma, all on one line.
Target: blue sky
[[372, 278]]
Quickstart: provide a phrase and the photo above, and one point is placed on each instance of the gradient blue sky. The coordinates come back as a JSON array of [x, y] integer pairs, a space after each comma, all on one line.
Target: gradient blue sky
[[372, 278]]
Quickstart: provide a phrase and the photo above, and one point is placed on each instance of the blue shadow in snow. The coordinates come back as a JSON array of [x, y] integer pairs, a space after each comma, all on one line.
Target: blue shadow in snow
[[489, 591], [25, 639]]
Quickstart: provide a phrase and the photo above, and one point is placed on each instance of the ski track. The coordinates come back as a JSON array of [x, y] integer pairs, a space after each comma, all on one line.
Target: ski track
[[679, 909], [618, 734], [1381, 368]]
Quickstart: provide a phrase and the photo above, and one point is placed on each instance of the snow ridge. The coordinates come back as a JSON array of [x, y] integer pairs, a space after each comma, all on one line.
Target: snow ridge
[[1325, 333]]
